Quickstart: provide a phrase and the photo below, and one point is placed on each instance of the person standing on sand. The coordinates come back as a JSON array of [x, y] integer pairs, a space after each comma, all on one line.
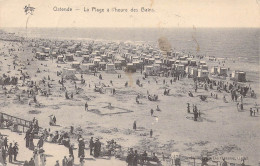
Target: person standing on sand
[[134, 125], [4, 154], [15, 151], [71, 151], [57, 163], [6, 143], [70, 160], [54, 120], [65, 161], [251, 112], [151, 133], [135, 158], [151, 112], [81, 147], [31, 144], [91, 145], [97, 148], [40, 142], [10, 153], [31, 162], [188, 107], [86, 106], [129, 158]]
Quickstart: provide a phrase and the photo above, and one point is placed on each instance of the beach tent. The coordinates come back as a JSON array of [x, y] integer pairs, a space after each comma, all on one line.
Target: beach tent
[[180, 67], [37, 54], [118, 65], [135, 59], [102, 65], [204, 67], [69, 57], [194, 72], [75, 65], [188, 69], [130, 67], [46, 50], [151, 60], [68, 73], [78, 53], [239, 76], [54, 54], [156, 68], [41, 56], [184, 62], [158, 62], [137, 64], [148, 70], [104, 57], [202, 63], [177, 62], [222, 71], [203, 73], [110, 67], [214, 70], [171, 61], [87, 67], [193, 62], [85, 58], [183, 58], [60, 58], [96, 61]]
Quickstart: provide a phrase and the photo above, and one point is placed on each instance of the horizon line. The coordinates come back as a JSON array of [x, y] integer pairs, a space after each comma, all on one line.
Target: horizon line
[[142, 27]]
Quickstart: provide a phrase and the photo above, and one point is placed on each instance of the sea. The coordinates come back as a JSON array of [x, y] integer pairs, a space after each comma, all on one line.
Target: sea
[[240, 44]]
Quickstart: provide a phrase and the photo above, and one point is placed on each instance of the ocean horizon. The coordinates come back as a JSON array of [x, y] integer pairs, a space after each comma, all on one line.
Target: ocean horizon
[[235, 43]]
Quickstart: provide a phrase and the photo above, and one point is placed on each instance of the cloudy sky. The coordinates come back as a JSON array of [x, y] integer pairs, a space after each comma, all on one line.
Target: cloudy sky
[[167, 13]]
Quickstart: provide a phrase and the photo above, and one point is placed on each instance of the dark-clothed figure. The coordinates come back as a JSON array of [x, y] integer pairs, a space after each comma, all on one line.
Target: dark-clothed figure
[[134, 125], [188, 107], [4, 154], [71, 151], [135, 158], [27, 136], [31, 144], [151, 133], [86, 106], [81, 148], [65, 161], [129, 158], [91, 145], [6, 143], [10, 153], [40, 142], [251, 112], [31, 162], [97, 148], [70, 161], [15, 151]]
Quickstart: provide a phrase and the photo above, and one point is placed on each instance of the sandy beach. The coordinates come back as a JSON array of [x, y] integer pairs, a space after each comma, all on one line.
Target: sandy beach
[[221, 131]]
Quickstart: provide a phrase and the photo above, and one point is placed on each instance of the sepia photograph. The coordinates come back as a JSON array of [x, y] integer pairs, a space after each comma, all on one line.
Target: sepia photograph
[[129, 83]]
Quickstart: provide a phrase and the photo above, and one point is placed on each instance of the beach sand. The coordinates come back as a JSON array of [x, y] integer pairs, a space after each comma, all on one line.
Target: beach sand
[[222, 130]]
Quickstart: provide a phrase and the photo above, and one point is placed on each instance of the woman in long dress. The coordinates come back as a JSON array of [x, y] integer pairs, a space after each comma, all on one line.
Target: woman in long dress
[[31, 144]]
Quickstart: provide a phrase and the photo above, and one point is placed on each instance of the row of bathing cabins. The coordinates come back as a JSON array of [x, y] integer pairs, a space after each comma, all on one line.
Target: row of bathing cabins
[[111, 56]]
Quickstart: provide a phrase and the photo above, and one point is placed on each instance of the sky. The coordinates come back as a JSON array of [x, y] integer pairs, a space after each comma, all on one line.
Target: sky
[[167, 13]]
